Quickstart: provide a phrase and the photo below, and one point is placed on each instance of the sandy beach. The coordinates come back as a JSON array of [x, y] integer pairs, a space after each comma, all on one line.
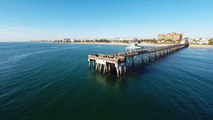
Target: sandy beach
[[201, 46]]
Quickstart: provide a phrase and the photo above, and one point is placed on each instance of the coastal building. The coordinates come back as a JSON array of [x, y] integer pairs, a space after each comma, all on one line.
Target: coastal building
[[175, 37], [185, 40], [119, 39], [72, 40], [203, 41], [198, 41], [190, 40], [66, 40]]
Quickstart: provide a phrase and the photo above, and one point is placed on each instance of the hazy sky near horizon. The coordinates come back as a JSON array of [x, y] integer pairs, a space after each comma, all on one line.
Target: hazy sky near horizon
[[22, 20]]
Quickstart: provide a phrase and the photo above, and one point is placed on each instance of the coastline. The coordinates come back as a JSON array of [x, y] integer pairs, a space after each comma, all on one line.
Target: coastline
[[144, 44], [96, 43], [201, 46], [190, 45]]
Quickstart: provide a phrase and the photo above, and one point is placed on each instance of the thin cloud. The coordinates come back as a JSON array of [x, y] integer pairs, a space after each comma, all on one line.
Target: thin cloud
[[16, 28], [5, 33]]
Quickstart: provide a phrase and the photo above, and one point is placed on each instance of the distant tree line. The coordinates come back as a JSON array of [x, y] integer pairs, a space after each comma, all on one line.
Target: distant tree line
[[211, 41], [147, 41], [151, 41]]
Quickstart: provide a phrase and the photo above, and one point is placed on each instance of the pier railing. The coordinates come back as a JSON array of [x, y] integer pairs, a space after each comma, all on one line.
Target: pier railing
[[119, 62]]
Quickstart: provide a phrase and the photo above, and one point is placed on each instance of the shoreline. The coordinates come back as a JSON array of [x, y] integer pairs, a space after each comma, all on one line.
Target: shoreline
[[145, 44], [201, 46], [90, 43], [140, 44]]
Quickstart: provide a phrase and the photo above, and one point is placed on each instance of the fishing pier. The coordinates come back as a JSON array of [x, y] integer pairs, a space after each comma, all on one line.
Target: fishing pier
[[120, 62]]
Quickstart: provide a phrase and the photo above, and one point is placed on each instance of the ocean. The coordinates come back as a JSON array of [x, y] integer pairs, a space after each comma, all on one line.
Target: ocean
[[52, 81]]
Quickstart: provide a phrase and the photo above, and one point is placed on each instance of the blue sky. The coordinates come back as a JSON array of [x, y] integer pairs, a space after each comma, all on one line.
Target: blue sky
[[22, 20]]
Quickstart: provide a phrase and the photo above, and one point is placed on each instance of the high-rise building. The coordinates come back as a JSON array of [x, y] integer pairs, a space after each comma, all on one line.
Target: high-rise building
[[171, 36]]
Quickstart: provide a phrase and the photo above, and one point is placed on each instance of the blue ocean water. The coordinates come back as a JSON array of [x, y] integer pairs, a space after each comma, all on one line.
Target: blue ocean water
[[51, 81]]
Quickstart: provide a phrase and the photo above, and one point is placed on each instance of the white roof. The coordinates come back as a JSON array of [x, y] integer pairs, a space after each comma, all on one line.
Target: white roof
[[134, 46]]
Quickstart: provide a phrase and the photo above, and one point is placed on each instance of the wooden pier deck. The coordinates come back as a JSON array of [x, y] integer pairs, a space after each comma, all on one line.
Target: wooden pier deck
[[119, 62]]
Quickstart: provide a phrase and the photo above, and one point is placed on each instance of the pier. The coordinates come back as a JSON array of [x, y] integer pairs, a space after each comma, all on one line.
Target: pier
[[120, 62]]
